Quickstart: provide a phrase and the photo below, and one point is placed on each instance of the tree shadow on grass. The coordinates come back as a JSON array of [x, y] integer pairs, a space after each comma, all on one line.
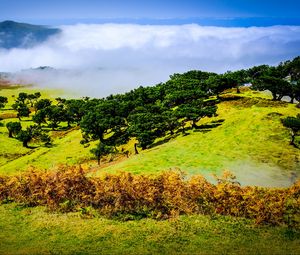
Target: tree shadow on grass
[[202, 128], [163, 141]]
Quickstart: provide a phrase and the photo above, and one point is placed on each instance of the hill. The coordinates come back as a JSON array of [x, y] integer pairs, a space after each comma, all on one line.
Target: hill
[[22, 35], [246, 137]]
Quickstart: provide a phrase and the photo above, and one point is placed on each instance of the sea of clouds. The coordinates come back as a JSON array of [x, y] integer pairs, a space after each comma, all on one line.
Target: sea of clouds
[[101, 59]]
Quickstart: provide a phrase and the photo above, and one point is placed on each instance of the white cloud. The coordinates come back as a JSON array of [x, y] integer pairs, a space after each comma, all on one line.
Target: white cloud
[[110, 58]]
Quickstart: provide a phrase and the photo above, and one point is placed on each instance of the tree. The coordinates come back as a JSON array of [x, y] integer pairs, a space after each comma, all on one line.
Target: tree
[[218, 83], [294, 91], [22, 109], [293, 123], [42, 104], [32, 98], [146, 127], [55, 115], [74, 110], [33, 132], [277, 86], [102, 119], [22, 97], [40, 117], [194, 111], [3, 101], [13, 128], [101, 150], [181, 90], [170, 120], [25, 136]]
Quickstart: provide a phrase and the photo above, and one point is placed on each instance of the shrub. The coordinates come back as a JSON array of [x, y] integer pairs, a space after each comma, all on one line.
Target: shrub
[[166, 195]]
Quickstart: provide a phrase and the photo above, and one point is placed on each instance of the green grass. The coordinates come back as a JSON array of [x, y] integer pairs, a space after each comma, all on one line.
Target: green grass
[[34, 231]]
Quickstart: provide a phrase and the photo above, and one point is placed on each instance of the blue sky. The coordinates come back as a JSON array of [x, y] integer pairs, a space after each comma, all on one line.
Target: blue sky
[[212, 12]]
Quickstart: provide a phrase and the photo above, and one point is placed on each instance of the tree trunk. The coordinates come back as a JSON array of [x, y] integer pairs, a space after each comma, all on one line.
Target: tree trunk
[[25, 144], [293, 139], [135, 148], [182, 128], [98, 160], [238, 90], [292, 100], [101, 138], [194, 125], [10, 134], [279, 98]]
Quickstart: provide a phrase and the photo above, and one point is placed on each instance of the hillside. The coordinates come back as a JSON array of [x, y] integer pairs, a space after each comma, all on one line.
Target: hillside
[[247, 138], [14, 34]]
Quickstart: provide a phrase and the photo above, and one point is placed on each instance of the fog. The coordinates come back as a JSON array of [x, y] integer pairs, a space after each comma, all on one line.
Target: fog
[[98, 60]]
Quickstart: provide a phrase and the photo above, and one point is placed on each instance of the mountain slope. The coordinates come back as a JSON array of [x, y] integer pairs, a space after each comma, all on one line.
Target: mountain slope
[[251, 142], [22, 35]]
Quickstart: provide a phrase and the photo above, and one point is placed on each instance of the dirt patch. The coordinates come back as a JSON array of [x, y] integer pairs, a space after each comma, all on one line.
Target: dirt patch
[[61, 134], [8, 115], [258, 102]]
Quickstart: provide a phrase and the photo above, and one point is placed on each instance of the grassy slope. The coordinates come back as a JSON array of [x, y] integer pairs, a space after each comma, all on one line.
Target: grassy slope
[[250, 143], [33, 231], [14, 158]]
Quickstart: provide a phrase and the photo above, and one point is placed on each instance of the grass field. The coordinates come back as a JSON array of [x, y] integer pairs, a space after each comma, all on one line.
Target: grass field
[[34, 231]]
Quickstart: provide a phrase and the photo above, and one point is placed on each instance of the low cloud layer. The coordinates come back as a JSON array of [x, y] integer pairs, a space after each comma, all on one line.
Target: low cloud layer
[[97, 60]]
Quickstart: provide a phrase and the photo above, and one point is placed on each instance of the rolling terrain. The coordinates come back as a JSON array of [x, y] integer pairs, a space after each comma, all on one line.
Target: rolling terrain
[[246, 137]]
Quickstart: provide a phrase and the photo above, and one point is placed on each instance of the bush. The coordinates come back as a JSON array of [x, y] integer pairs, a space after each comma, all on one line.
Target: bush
[[166, 195]]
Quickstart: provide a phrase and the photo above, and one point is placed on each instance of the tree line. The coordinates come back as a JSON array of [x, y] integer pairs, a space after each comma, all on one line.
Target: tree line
[[149, 113]]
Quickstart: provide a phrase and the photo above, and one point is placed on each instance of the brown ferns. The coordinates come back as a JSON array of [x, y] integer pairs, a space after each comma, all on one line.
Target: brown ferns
[[166, 195]]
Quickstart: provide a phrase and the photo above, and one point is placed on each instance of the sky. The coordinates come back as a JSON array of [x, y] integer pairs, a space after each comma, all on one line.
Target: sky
[[73, 11], [108, 47]]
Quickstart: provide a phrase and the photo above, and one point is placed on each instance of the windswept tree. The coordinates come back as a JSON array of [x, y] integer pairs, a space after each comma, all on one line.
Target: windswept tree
[[101, 119], [294, 92], [101, 150], [42, 104], [195, 111], [13, 128], [55, 114], [3, 101], [22, 97], [219, 83], [40, 117], [146, 126], [22, 110], [75, 109], [293, 123], [277, 86], [32, 98], [33, 132]]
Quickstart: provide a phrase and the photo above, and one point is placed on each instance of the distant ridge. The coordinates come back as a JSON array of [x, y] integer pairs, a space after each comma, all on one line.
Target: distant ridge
[[22, 35]]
